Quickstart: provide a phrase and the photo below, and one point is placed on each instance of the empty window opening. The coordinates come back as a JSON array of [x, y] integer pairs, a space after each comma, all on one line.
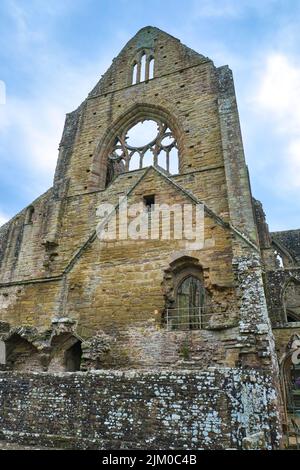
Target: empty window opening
[[149, 202], [161, 160], [147, 159], [142, 132], [143, 67], [151, 69], [279, 259], [135, 74], [134, 163], [146, 143], [173, 161]]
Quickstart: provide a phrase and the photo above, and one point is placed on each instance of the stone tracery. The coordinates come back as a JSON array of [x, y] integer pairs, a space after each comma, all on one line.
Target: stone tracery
[[161, 151]]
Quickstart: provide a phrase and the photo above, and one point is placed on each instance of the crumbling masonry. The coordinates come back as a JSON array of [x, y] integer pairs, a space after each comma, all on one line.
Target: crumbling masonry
[[100, 346]]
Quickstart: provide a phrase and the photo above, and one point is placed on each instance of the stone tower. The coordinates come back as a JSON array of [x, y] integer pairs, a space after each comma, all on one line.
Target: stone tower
[[156, 316]]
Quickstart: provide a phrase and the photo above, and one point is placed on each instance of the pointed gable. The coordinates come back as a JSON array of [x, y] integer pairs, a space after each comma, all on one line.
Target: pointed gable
[[169, 55]]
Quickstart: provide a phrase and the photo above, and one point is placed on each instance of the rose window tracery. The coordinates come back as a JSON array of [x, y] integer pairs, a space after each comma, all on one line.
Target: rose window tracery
[[149, 142]]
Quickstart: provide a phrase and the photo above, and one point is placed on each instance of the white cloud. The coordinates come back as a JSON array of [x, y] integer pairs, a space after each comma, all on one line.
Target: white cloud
[[279, 92], [31, 128], [34, 124], [277, 99], [31, 123]]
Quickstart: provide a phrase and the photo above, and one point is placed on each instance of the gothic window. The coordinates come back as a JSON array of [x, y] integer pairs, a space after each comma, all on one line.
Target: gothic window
[[290, 375], [135, 74], [143, 67], [151, 69], [149, 142], [279, 259], [190, 305], [291, 300]]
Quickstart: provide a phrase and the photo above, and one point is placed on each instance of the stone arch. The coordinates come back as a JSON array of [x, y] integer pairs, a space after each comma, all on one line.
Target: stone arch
[[180, 270], [290, 299], [21, 354], [135, 114], [65, 353]]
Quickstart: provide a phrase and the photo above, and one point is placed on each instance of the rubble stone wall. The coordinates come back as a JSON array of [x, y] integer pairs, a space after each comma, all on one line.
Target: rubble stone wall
[[214, 409]]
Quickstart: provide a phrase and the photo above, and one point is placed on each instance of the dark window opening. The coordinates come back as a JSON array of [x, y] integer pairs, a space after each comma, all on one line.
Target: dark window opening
[[149, 202], [73, 357]]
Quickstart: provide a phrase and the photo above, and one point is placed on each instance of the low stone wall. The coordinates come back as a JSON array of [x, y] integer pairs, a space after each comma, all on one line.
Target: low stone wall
[[213, 409]]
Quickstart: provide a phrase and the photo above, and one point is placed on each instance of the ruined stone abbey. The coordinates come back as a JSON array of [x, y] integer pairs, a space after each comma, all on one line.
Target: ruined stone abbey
[[150, 342]]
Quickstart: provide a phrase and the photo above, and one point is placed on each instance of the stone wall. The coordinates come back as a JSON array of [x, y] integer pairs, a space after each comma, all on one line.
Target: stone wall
[[215, 409], [276, 283], [290, 239]]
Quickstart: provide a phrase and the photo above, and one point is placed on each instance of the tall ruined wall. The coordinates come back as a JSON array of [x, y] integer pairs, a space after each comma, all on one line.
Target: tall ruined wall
[[290, 239], [60, 287], [216, 409], [193, 115], [66, 216]]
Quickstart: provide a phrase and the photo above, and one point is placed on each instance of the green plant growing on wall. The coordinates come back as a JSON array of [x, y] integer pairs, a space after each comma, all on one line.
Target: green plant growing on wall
[[185, 351]]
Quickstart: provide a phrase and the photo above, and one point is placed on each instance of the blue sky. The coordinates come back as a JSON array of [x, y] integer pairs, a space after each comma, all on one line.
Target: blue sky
[[53, 52]]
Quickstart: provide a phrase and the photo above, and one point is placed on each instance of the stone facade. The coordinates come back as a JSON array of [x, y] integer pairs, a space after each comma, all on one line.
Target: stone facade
[[70, 302]]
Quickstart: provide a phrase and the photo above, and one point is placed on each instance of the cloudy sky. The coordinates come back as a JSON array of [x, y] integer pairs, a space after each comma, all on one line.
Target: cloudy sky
[[53, 52]]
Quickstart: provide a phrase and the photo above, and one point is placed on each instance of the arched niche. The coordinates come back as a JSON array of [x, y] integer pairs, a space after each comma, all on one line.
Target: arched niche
[[65, 353], [186, 298], [21, 355]]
